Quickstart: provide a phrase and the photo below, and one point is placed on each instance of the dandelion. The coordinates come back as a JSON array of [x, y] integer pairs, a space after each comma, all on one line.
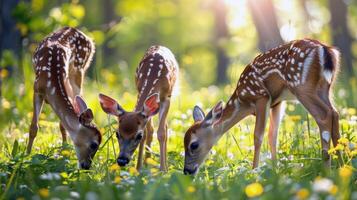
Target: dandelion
[[65, 153], [117, 180], [44, 192], [191, 189], [114, 167], [150, 161], [254, 190], [345, 172], [333, 190], [339, 147], [20, 198], [133, 171], [302, 194], [331, 151], [343, 141]]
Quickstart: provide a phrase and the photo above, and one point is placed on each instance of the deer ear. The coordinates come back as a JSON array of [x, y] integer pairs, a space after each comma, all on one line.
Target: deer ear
[[215, 115], [86, 117], [79, 105], [110, 106], [151, 105], [198, 114]]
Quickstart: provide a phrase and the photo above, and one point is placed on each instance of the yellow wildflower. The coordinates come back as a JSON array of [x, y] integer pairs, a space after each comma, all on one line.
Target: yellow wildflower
[[331, 151], [20, 198], [44, 192], [66, 153], [150, 161], [133, 171], [117, 179], [254, 190], [339, 147], [333, 190], [343, 141], [114, 167], [302, 194], [345, 172], [191, 189]]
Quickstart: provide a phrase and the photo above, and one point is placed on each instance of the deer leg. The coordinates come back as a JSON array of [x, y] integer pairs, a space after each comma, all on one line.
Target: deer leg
[[63, 133], [141, 151], [323, 116], [38, 100], [150, 132], [262, 109], [335, 134], [162, 133], [276, 114]]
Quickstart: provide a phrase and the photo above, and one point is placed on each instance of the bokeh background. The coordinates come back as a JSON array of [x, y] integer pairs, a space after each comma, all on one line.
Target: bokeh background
[[212, 39]]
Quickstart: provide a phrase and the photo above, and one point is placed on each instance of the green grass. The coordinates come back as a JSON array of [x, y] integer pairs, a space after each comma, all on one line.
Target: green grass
[[51, 170]]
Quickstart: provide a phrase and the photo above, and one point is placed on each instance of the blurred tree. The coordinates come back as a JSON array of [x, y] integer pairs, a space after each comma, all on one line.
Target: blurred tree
[[10, 37], [306, 15], [340, 33], [109, 16], [264, 18], [221, 36]]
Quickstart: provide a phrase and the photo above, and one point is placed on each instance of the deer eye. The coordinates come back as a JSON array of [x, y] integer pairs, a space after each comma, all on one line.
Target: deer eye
[[139, 136], [194, 145], [93, 145]]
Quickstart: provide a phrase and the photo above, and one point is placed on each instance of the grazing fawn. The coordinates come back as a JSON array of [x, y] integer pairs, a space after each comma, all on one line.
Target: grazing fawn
[[303, 69], [155, 79], [60, 62]]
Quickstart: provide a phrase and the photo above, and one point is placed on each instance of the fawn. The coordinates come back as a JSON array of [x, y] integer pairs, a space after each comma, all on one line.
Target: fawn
[[60, 62], [155, 79], [303, 69]]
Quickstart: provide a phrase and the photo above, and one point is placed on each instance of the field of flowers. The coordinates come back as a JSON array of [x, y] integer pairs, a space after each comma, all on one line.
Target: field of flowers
[[50, 172]]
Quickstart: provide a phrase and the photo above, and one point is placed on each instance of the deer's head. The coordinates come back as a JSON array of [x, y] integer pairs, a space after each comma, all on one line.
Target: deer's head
[[201, 136], [88, 137], [131, 127]]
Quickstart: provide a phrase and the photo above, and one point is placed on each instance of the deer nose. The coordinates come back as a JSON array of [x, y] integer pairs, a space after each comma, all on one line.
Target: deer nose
[[188, 171], [85, 165], [122, 161]]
